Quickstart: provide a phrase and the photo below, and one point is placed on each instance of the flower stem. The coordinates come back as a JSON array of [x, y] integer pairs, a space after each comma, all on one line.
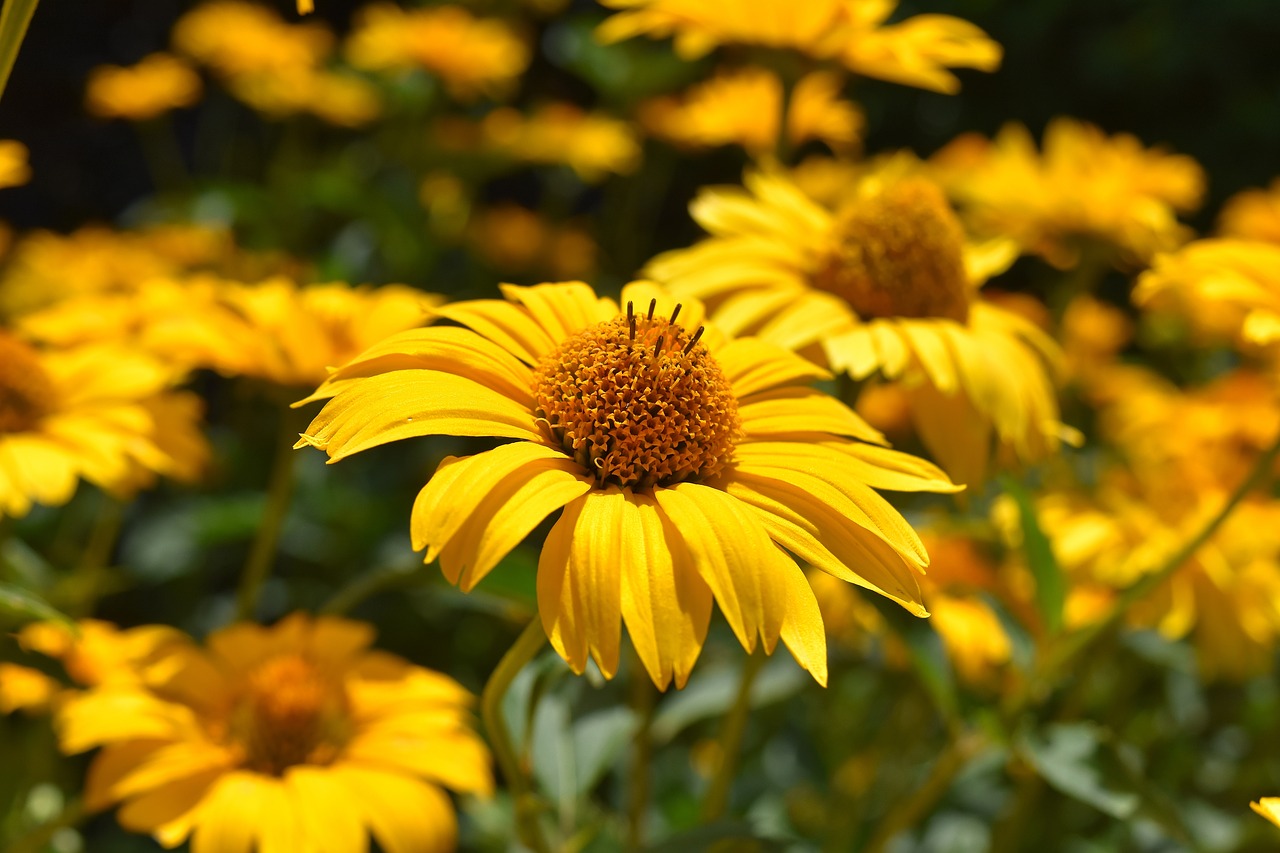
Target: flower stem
[[643, 699], [91, 573], [732, 733], [522, 651], [279, 492], [909, 811], [14, 19]]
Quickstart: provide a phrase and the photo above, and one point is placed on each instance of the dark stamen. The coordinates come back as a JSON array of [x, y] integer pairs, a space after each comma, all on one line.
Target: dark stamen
[[676, 313], [653, 303], [657, 347], [694, 339], [631, 321]]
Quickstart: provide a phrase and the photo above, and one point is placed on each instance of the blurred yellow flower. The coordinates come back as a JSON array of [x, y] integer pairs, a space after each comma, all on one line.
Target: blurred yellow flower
[[14, 169], [1085, 185], [25, 689], [1268, 807], [515, 239], [473, 56], [99, 652], [1093, 332], [916, 52], [886, 285], [684, 463], [295, 737], [338, 99], [237, 38], [1224, 287], [87, 413], [1252, 215], [592, 144], [156, 85], [744, 107]]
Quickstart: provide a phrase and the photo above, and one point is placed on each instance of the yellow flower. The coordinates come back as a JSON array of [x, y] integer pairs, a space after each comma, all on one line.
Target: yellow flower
[[471, 55], [744, 107], [515, 239], [295, 737], [14, 169], [338, 99], [1227, 288], [25, 689], [1252, 215], [887, 285], [684, 463], [236, 38], [916, 52], [1268, 807], [99, 652], [1085, 185], [592, 144], [156, 85], [87, 413]]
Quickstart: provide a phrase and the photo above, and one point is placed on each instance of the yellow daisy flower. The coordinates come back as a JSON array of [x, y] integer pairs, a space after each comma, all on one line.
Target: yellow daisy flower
[[886, 285], [1225, 287], [156, 85], [99, 653], [88, 413], [237, 38], [916, 52], [291, 738], [1082, 185], [592, 144], [684, 462], [14, 168], [515, 239], [471, 55], [744, 107], [1252, 215]]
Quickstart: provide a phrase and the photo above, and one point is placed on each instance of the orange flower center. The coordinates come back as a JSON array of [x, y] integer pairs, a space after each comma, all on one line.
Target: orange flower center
[[899, 253], [289, 714], [639, 402], [26, 391]]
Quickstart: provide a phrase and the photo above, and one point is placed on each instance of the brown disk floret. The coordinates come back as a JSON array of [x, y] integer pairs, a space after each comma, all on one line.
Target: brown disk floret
[[899, 253], [26, 391], [639, 402], [289, 713]]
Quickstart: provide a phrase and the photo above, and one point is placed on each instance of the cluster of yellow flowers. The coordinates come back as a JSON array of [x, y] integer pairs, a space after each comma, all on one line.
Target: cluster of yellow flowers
[[715, 435]]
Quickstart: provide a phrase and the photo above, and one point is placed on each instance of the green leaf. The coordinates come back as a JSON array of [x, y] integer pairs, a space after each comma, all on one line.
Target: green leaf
[[1051, 589], [1071, 758], [29, 606], [713, 691]]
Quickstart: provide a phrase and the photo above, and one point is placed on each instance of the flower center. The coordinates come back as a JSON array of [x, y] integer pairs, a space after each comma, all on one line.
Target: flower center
[[289, 714], [898, 253], [639, 402], [26, 391]]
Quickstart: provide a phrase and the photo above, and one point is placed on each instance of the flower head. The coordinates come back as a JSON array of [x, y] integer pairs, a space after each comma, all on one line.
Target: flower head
[[886, 284], [295, 737], [156, 85], [1252, 215], [916, 52], [683, 463]]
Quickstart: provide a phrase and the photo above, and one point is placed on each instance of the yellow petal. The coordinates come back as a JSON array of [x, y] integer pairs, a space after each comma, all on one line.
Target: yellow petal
[[407, 816], [561, 309], [752, 366], [930, 347], [1268, 807], [412, 403], [665, 602], [329, 820], [169, 813], [107, 715], [956, 435], [453, 757], [580, 598], [799, 411], [231, 816], [802, 628], [509, 326], [641, 293], [335, 643], [874, 466], [734, 555]]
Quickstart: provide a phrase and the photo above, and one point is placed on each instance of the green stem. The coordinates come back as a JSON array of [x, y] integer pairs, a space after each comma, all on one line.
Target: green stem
[[367, 585], [38, 837], [279, 492], [732, 732], [522, 651], [1081, 641], [643, 700], [91, 572], [14, 19], [908, 812]]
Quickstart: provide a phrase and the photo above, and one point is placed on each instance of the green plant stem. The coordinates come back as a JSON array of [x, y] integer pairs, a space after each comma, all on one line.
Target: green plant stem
[[38, 837], [1076, 644], [907, 812], [367, 585], [522, 651], [14, 19], [732, 733], [643, 699], [91, 572], [262, 554]]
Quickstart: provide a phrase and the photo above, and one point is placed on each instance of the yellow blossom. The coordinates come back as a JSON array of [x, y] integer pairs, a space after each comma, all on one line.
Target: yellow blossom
[[515, 239], [295, 737], [237, 38], [661, 514], [916, 52], [25, 689], [744, 107], [156, 85], [1083, 185], [1252, 215], [14, 169], [471, 55]]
